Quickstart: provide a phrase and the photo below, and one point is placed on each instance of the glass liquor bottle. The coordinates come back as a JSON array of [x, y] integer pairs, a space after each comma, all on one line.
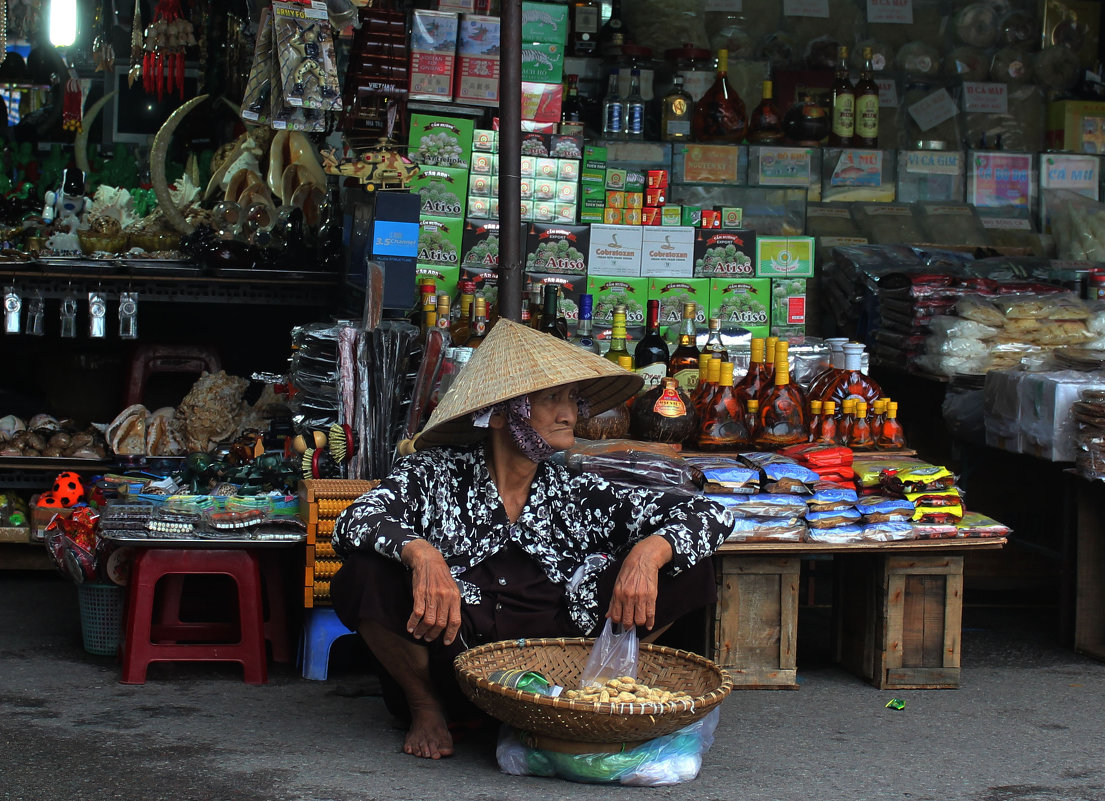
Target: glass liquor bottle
[[461, 328], [859, 438], [719, 116], [479, 323], [617, 335], [586, 19], [836, 363], [713, 342], [549, 311], [827, 430], [815, 420], [536, 301], [878, 417], [752, 420], [847, 418], [892, 437], [635, 108], [584, 336], [843, 126], [722, 421], [851, 382], [867, 105], [782, 415], [613, 33], [613, 110], [709, 369], [755, 381], [663, 414], [651, 354], [444, 319], [429, 316], [765, 125], [571, 110], [769, 360], [675, 113], [683, 364]]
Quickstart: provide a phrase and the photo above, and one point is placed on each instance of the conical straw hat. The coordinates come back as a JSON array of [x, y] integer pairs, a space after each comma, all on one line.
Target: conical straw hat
[[516, 360]]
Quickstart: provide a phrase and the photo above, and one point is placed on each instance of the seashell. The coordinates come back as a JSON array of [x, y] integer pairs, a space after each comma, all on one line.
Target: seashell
[[309, 199], [43, 422], [10, 424], [279, 158], [242, 178], [294, 177]]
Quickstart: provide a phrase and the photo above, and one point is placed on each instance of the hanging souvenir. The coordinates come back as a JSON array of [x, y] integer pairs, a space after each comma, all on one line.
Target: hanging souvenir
[[69, 315], [255, 103], [167, 37], [36, 316], [97, 315], [128, 315], [71, 104], [136, 46], [308, 67], [103, 52], [13, 303]]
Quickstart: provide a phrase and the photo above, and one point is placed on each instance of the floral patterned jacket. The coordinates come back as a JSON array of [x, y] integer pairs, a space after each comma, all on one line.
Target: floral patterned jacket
[[570, 525]]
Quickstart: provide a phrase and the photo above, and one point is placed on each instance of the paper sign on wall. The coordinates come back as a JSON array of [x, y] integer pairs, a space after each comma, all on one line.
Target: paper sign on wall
[[987, 98], [785, 166], [888, 92], [806, 8], [1077, 173], [900, 11], [933, 162], [933, 109], [1002, 179], [858, 168]]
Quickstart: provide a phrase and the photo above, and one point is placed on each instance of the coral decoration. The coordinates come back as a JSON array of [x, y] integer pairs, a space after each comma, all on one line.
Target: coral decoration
[[166, 39]]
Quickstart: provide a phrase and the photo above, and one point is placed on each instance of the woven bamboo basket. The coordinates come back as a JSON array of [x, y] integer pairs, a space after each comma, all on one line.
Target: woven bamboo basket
[[561, 661]]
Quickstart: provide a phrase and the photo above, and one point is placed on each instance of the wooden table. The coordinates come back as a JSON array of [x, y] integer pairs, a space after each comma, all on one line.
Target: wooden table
[[897, 610]]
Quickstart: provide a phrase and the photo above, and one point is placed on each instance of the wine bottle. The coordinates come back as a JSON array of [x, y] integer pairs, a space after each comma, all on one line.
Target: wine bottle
[[614, 32], [479, 323], [719, 116], [892, 437], [683, 365], [765, 125], [723, 425], [549, 311], [844, 104], [651, 354], [713, 342], [755, 381], [617, 335], [613, 110], [867, 105], [571, 110], [584, 336], [782, 414], [675, 113], [635, 108], [586, 17], [859, 438]]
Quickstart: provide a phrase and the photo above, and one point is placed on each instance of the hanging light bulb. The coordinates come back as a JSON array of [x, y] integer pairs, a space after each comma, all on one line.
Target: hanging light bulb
[[63, 22]]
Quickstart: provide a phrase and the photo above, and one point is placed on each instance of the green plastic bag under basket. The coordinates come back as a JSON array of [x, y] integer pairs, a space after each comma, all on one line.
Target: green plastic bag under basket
[[102, 608]]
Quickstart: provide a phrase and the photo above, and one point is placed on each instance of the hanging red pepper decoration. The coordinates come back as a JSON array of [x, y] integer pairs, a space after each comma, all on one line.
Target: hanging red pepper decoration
[[71, 103], [166, 39]]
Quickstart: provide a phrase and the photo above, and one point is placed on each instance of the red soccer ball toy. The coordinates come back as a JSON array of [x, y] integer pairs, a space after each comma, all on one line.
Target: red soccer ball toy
[[68, 489]]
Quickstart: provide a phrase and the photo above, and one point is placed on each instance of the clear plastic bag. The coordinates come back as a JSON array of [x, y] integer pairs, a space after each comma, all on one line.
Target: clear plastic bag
[[959, 327], [671, 759], [613, 655]]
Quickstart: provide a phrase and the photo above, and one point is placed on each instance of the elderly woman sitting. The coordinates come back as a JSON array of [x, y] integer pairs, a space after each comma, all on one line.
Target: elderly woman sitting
[[479, 537]]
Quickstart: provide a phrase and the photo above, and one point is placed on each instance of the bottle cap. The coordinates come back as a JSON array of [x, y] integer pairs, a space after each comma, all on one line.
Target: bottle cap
[[625, 362]]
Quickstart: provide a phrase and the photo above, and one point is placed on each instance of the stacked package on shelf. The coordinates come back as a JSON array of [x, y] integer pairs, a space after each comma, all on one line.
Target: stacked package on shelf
[[764, 492], [544, 30], [549, 185], [830, 462], [1089, 415]]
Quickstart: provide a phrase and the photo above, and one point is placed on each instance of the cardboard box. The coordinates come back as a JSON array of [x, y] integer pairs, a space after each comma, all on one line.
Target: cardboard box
[[615, 250], [634, 200], [612, 216], [433, 54], [571, 287], [632, 216], [444, 278], [691, 215], [742, 302], [615, 179], [480, 243], [1076, 125], [1047, 429], [437, 141], [672, 215], [485, 141], [567, 192], [558, 249], [788, 306], [594, 158], [668, 252], [439, 240], [543, 62], [724, 254], [674, 292], [651, 216], [566, 213], [544, 22], [477, 74], [479, 206], [784, 257], [541, 103], [442, 190], [609, 291]]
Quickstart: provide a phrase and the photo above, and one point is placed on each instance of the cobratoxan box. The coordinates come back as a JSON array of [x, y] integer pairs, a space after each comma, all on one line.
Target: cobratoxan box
[[720, 253], [668, 252], [440, 141], [558, 248], [784, 257], [615, 250], [742, 302], [439, 240], [442, 190], [433, 54], [571, 287]]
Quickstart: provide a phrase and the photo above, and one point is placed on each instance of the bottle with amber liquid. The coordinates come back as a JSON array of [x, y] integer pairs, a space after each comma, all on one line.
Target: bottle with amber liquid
[[617, 336], [752, 420], [782, 414], [859, 438], [461, 328], [756, 380], [571, 110], [719, 116], [765, 125], [676, 111], [843, 127], [847, 418], [683, 364], [709, 371], [827, 429], [851, 382], [479, 323], [722, 423], [892, 437], [878, 417], [444, 318], [836, 364], [769, 360], [663, 414], [815, 420], [867, 105]]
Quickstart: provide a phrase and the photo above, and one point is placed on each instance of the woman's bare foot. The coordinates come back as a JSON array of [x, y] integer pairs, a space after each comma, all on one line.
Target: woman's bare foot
[[428, 737]]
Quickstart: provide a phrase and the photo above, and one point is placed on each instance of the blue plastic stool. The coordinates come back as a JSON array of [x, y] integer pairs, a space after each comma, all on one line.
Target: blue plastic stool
[[320, 628]]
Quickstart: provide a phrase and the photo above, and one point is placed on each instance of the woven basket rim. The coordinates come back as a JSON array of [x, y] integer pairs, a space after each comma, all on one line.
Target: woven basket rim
[[700, 702]]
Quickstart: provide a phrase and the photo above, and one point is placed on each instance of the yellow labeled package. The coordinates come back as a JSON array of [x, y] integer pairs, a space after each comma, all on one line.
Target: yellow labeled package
[[941, 506], [868, 469], [916, 479]]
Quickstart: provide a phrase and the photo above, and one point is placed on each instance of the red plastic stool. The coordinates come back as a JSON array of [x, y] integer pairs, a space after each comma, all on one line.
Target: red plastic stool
[[150, 359], [147, 642], [276, 622]]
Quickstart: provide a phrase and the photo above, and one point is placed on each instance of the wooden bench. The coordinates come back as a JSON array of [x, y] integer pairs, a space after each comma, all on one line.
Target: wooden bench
[[897, 610]]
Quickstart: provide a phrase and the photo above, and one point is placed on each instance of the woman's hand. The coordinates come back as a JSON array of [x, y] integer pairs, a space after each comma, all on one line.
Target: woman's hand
[[435, 594], [634, 599]]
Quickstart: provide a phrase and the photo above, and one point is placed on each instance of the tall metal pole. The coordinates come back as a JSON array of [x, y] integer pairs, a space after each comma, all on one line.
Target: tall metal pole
[[510, 160]]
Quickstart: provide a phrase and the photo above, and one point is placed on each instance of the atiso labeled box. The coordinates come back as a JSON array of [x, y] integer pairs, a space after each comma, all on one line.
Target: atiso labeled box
[[724, 254], [437, 141], [442, 190], [558, 249], [439, 240], [784, 257], [742, 302], [611, 290], [674, 292]]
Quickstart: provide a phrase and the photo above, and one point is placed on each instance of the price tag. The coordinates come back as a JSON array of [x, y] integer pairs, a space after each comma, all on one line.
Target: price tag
[[1006, 223], [806, 8], [988, 98], [784, 166], [888, 92], [933, 162], [933, 110], [1078, 173], [900, 11], [728, 6]]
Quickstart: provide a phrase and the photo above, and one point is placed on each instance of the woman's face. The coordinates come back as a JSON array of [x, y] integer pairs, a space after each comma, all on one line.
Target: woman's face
[[553, 414]]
